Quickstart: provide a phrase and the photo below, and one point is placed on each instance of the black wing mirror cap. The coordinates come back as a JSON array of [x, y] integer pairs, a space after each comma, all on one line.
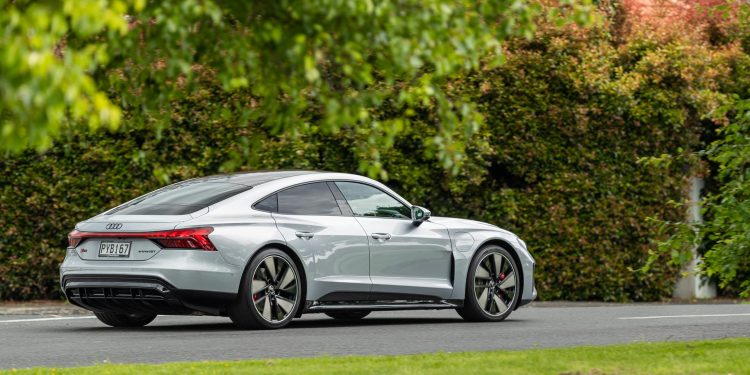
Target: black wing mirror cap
[[419, 214]]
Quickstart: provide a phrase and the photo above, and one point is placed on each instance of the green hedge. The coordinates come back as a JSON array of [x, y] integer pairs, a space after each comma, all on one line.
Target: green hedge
[[567, 118]]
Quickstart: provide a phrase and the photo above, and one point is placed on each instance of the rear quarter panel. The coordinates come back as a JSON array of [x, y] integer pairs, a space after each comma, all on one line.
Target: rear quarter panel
[[238, 235]]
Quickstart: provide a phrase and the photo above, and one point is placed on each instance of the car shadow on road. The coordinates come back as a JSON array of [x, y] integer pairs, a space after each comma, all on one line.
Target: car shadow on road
[[368, 322], [196, 326]]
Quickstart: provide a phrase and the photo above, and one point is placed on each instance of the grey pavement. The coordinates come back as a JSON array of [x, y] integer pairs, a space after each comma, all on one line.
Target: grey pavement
[[37, 337]]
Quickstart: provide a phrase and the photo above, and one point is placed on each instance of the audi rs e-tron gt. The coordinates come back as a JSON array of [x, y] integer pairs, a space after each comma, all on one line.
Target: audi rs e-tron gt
[[266, 247]]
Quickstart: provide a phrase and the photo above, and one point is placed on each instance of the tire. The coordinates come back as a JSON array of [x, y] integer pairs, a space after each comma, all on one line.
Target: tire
[[124, 320], [270, 294], [491, 293], [348, 315]]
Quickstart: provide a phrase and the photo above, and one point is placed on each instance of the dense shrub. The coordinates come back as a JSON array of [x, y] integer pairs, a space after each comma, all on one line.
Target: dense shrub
[[567, 118]]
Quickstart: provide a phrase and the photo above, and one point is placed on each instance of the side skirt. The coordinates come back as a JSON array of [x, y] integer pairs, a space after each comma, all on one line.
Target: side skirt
[[320, 307]]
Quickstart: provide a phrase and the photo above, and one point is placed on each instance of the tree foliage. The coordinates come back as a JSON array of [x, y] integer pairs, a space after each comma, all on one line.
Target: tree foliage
[[44, 83], [304, 66], [728, 259], [723, 237]]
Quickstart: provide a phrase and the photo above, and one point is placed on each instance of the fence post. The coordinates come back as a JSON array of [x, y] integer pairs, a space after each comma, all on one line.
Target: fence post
[[691, 285]]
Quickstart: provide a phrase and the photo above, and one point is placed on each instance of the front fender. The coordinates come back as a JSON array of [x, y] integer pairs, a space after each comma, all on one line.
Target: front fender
[[469, 239]]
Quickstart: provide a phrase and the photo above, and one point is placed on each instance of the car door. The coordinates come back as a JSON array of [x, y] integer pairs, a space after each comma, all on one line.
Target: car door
[[331, 242], [407, 261]]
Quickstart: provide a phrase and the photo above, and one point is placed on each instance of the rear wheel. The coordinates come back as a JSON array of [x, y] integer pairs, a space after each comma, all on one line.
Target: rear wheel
[[348, 315], [491, 286], [125, 320], [270, 294]]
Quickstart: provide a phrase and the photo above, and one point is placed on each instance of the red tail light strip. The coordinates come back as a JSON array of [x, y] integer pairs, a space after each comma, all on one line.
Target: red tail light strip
[[190, 238]]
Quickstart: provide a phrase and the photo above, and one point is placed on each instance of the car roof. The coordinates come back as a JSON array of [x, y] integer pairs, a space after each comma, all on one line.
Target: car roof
[[252, 178], [271, 182]]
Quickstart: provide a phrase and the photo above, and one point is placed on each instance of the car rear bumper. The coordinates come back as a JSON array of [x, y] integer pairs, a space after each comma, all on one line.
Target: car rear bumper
[[127, 294], [171, 282]]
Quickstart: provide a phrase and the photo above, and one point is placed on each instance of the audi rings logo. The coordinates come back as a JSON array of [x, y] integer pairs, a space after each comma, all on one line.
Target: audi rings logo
[[114, 226]]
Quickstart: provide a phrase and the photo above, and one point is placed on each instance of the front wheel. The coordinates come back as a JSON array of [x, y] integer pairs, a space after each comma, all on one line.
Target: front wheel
[[491, 286], [124, 320], [270, 294]]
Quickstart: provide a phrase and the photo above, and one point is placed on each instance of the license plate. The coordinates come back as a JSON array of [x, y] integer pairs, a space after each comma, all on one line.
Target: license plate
[[114, 249]]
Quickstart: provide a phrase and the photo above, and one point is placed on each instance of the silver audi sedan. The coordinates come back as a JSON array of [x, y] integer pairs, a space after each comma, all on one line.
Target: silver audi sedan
[[266, 247]]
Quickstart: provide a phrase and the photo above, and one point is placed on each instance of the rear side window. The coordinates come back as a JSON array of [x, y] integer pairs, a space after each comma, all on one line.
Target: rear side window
[[181, 199], [309, 199], [270, 204]]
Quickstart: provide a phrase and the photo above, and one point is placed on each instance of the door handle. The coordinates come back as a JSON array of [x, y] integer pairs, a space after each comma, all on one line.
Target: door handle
[[381, 236], [305, 235]]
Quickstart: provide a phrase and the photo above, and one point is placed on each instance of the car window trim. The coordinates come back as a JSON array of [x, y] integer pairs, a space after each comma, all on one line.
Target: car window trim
[[340, 199]]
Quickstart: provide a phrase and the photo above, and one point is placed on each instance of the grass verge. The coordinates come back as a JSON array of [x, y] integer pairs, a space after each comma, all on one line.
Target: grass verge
[[727, 356]]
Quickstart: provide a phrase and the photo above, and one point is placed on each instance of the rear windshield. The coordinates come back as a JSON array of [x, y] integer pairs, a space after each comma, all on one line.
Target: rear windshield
[[181, 199]]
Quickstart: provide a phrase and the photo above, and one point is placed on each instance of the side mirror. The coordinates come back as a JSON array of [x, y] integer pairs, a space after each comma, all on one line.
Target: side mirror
[[419, 214]]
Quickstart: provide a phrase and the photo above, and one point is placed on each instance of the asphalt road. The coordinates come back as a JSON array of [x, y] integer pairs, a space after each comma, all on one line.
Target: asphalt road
[[27, 341]]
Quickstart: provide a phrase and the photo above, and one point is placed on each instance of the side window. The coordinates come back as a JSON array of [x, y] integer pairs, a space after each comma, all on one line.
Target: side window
[[309, 199], [270, 204], [366, 200]]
